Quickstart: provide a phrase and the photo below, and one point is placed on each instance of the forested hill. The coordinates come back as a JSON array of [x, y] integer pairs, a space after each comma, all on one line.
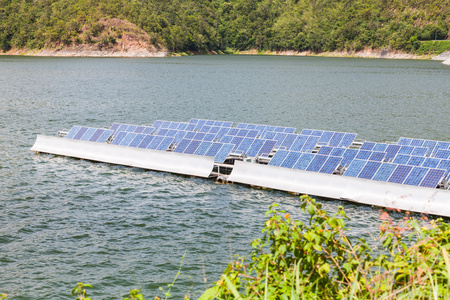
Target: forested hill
[[212, 25]]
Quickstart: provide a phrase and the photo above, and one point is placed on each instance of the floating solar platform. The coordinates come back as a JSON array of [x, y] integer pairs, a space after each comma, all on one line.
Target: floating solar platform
[[411, 174]]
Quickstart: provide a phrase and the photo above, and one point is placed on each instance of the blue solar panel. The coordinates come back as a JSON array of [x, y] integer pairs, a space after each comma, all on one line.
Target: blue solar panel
[[227, 139], [326, 137], [205, 128], [233, 131], [269, 135], [118, 139], [443, 145], [400, 173], [209, 137], [417, 143], [122, 127], [165, 143], [430, 145], [363, 154], [325, 150], [174, 125], [146, 141], [279, 129], [139, 129], [279, 137], [182, 126], [182, 145], [433, 178], [336, 139], [289, 130], [199, 136], [261, 129], [222, 132], [97, 135], [431, 162], [391, 151], [190, 127], [404, 141], [337, 152], [289, 140], [88, 134], [72, 132], [251, 126], [190, 135], [180, 134], [105, 136], [218, 123], [193, 121], [255, 147], [317, 163], [416, 176], [278, 158], [442, 154], [237, 140], [304, 160], [355, 168], [267, 147], [242, 125], [416, 161], [348, 156], [192, 147], [204, 146], [200, 124], [405, 150], [80, 133], [114, 126], [157, 124], [367, 146], [299, 143], [127, 140], [380, 147], [310, 144], [210, 122], [172, 132], [214, 129], [137, 140], [163, 131], [306, 131], [369, 169], [445, 165], [377, 156], [227, 124], [317, 133], [148, 130], [223, 153], [401, 159], [245, 144], [419, 151], [214, 149], [384, 172], [291, 159], [155, 142], [347, 140], [252, 133], [242, 132], [131, 128], [331, 164]]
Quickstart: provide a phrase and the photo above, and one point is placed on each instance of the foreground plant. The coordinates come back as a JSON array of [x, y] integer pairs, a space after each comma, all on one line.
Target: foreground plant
[[317, 260], [80, 292]]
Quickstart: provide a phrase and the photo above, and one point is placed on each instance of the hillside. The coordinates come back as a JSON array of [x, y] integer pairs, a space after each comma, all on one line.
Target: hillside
[[143, 27]]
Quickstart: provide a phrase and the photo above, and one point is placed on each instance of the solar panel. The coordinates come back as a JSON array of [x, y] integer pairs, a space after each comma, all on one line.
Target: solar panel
[[88, 134], [146, 141], [317, 163], [326, 137], [193, 121], [119, 137], [72, 132], [252, 133], [405, 150], [192, 147], [122, 127], [227, 139], [255, 147], [330, 165], [245, 144], [172, 132], [209, 137], [190, 127], [391, 151], [433, 178], [227, 124], [336, 139], [325, 150], [251, 126], [242, 132], [204, 146], [416, 176], [105, 136], [114, 126], [289, 130], [442, 154], [214, 129], [137, 140], [163, 131], [355, 167], [347, 140], [400, 173], [222, 131], [299, 142], [236, 141], [338, 152], [223, 153], [279, 137], [157, 124], [148, 130], [242, 125], [97, 135], [270, 128], [377, 156], [210, 122], [419, 151], [233, 131], [348, 156], [182, 126], [182, 145], [290, 159], [165, 143], [190, 135], [218, 123], [401, 159], [269, 135], [199, 136], [416, 161], [180, 134], [367, 146], [404, 141], [174, 125], [205, 128], [310, 143], [306, 131], [128, 138], [431, 162], [444, 165], [317, 133], [363, 154], [131, 128], [200, 124], [304, 160], [214, 149], [139, 129], [289, 140], [80, 133], [384, 172], [155, 142], [278, 158], [267, 147], [443, 145], [279, 129], [430, 145], [417, 143], [369, 169], [261, 129], [380, 147]]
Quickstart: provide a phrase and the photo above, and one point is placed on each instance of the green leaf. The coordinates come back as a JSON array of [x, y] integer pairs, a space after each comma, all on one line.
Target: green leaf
[[209, 294], [232, 288], [311, 209]]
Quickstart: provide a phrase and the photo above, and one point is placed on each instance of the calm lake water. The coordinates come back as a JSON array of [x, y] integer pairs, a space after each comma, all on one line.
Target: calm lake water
[[64, 221]]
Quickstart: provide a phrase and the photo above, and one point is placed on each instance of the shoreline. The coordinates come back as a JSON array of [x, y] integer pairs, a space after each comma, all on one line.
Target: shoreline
[[146, 53]]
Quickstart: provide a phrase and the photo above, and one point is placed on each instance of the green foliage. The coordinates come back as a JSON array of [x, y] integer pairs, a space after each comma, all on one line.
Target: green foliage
[[318, 261], [213, 25], [3, 296], [80, 292], [135, 295]]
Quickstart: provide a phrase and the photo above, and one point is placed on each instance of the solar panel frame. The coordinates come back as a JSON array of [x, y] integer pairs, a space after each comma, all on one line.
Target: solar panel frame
[[304, 160], [182, 145], [355, 167], [146, 141], [384, 172], [267, 147], [433, 178], [214, 149], [128, 138], [72, 132], [290, 159], [119, 137], [165, 143], [347, 140], [223, 153], [137, 140], [98, 132], [416, 176], [155, 142], [204, 146], [278, 158], [400, 173], [310, 143], [336, 139], [317, 163], [192, 147], [80, 133], [331, 165], [88, 134], [369, 170]]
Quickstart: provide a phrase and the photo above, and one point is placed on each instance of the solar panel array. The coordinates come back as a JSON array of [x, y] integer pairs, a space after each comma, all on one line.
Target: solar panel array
[[98, 135]]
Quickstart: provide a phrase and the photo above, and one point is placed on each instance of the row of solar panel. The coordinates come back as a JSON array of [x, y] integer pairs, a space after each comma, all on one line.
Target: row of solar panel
[[433, 146], [89, 134], [395, 173], [305, 161], [428, 148], [265, 128]]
